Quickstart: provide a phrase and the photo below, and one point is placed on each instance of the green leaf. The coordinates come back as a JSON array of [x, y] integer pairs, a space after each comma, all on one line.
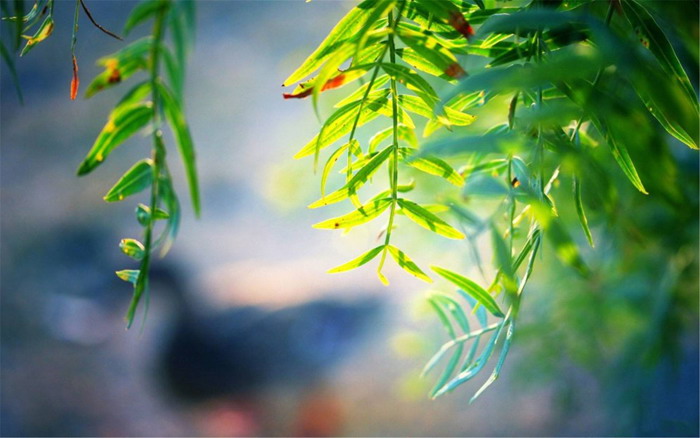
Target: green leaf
[[124, 121], [450, 117], [580, 211], [354, 146], [434, 166], [504, 260], [185, 145], [142, 12], [130, 275], [444, 64], [413, 81], [342, 122], [356, 181], [121, 65], [475, 368], [133, 181], [9, 61], [143, 214], [622, 156], [357, 94], [407, 264], [41, 34], [345, 29], [480, 311], [427, 220], [169, 197], [458, 103], [473, 289], [359, 261], [133, 248], [659, 45], [501, 359], [566, 250], [358, 217], [404, 132]]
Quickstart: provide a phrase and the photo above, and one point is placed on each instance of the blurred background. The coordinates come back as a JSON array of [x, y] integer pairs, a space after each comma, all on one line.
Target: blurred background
[[281, 347]]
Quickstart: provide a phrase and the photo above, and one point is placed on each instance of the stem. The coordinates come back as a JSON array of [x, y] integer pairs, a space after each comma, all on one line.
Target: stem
[[158, 156], [74, 38], [394, 163]]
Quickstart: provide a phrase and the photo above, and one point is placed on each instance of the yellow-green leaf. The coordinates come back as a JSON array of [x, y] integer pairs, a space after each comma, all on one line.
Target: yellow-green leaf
[[407, 264], [473, 289], [359, 261], [358, 217], [428, 220]]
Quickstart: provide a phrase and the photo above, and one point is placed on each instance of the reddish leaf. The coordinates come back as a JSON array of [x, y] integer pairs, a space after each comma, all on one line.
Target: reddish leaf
[[114, 74], [461, 24], [75, 82], [455, 71], [333, 82]]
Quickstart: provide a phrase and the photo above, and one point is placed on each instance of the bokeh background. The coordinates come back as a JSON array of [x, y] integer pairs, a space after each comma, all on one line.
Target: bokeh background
[[616, 354]]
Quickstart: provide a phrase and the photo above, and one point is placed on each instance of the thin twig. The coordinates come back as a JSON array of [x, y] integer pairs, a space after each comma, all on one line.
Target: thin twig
[[97, 25]]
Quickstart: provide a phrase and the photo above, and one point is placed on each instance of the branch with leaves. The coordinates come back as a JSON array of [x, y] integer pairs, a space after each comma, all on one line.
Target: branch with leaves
[[152, 104], [567, 75]]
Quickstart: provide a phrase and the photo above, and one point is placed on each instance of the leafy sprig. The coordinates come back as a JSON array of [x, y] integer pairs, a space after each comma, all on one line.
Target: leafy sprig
[[154, 103], [566, 73]]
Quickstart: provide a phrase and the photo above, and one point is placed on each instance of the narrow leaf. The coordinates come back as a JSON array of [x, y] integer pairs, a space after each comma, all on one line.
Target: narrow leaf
[[360, 216], [407, 264], [473, 289], [133, 181], [359, 261], [428, 220]]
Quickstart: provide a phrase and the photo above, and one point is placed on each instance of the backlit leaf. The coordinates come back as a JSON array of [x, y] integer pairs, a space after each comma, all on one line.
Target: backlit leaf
[[428, 220], [473, 289]]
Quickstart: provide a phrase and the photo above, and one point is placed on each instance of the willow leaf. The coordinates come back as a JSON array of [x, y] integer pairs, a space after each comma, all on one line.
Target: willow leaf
[[357, 94], [428, 220], [433, 166], [137, 178], [360, 216], [407, 264], [501, 359], [185, 145], [356, 181], [580, 211], [359, 261], [124, 121], [346, 28], [659, 45], [142, 12], [473, 289], [413, 81], [342, 123]]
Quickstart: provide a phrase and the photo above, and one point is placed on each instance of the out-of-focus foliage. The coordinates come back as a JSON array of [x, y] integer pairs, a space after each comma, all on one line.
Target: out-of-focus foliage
[[578, 86]]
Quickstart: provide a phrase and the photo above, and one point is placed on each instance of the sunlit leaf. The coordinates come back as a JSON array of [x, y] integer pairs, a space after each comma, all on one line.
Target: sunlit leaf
[[345, 28], [428, 220], [473, 289], [407, 264], [358, 217], [356, 181], [359, 261], [434, 166]]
